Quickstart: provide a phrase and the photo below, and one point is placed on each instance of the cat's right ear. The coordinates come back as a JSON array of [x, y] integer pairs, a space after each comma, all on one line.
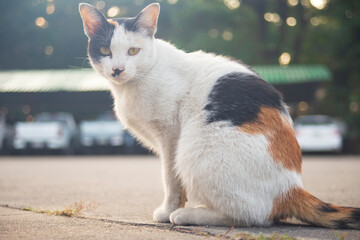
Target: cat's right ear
[[148, 18], [93, 20]]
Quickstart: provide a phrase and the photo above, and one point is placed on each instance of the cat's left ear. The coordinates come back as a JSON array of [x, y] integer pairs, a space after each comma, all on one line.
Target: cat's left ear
[[148, 18], [93, 20]]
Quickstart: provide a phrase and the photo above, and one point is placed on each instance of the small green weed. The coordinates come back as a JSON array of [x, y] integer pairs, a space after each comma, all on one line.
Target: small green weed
[[340, 236], [71, 210]]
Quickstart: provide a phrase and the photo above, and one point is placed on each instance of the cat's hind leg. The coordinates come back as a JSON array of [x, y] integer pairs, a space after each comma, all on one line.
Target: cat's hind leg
[[200, 216]]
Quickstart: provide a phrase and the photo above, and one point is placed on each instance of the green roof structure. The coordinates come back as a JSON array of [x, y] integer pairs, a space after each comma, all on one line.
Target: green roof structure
[[85, 80], [276, 74]]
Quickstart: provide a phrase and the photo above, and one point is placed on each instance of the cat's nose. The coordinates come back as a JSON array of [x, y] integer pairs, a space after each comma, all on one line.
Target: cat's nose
[[116, 71]]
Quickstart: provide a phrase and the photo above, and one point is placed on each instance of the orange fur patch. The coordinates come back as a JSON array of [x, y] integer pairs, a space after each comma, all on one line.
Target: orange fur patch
[[283, 145], [302, 205], [113, 22], [286, 205]]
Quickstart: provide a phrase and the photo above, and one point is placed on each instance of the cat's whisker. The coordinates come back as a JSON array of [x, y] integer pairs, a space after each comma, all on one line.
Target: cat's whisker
[[85, 60]]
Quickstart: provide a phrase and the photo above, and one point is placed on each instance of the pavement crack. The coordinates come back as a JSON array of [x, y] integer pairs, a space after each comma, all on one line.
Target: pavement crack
[[167, 227], [156, 226]]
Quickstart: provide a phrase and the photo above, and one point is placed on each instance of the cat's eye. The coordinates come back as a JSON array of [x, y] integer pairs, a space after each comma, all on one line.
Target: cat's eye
[[105, 51], [133, 51]]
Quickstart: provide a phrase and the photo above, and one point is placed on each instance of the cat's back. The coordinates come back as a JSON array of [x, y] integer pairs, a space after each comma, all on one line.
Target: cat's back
[[206, 73], [208, 67]]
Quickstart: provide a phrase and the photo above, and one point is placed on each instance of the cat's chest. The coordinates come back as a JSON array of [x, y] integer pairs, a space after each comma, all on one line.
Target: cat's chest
[[147, 117], [144, 108], [133, 109]]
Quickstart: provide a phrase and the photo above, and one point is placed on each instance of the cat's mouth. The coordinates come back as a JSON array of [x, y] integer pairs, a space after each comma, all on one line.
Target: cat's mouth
[[117, 79], [114, 76]]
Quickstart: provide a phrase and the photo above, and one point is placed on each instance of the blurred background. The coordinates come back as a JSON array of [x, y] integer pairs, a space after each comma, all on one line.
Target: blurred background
[[52, 102]]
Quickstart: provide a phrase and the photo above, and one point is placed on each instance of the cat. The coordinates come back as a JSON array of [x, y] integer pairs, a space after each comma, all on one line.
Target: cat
[[224, 135]]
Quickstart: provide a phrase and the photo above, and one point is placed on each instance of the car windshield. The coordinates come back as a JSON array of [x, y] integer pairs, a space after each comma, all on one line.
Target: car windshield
[[314, 120], [49, 117], [108, 116]]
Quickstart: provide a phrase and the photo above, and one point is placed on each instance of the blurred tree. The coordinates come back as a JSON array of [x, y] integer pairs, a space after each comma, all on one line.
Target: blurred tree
[[48, 34], [338, 44]]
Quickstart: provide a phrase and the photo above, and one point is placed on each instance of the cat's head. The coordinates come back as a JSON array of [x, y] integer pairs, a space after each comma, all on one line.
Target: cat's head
[[121, 49]]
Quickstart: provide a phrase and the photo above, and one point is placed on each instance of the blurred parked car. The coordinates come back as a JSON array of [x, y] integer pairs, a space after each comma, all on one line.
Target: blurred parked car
[[105, 131], [319, 133], [53, 131], [2, 132]]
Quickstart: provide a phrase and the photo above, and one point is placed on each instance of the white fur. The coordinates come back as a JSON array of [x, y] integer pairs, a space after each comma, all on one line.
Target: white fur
[[160, 98]]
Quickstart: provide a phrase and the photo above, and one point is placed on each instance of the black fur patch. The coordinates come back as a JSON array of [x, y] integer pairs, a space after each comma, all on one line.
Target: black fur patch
[[342, 224], [102, 38], [325, 207], [356, 215], [128, 23], [237, 97], [131, 26]]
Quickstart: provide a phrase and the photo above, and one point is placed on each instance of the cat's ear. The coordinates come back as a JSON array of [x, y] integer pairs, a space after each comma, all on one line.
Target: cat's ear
[[148, 18], [93, 20]]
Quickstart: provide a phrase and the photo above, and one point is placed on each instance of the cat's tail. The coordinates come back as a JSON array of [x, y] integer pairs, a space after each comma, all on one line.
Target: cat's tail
[[305, 207]]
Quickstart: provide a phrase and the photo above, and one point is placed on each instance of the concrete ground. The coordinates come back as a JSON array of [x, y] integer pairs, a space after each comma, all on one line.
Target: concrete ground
[[124, 191]]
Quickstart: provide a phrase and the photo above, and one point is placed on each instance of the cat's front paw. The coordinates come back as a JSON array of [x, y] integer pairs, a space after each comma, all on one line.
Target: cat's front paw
[[162, 215], [180, 216]]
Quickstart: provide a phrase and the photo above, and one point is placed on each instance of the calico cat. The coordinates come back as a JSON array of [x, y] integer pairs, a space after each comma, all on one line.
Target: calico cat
[[224, 135]]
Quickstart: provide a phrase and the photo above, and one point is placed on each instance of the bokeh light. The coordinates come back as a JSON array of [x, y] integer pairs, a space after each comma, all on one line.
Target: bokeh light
[[113, 11], [319, 4], [293, 2], [49, 50], [272, 17], [303, 106], [227, 35], [232, 4], [276, 18], [268, 17], [213, 33], [41, 22], [50, 9], [315, 21], [285, 58], [291, 21]]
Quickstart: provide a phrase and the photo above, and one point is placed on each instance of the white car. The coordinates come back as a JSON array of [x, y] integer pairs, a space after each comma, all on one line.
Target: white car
[[54, 131], [105, 131], [319, 133]]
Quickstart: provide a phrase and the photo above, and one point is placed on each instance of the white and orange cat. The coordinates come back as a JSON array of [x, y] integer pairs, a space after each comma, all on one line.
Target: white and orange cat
[[224, 135]]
